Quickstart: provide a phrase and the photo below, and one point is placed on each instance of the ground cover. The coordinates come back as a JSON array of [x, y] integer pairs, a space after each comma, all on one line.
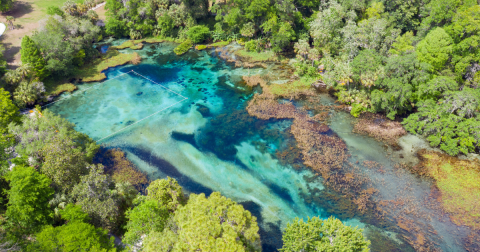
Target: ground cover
[[257, 56], [93, 71], [457, 181], [56, 90], [137, 44]]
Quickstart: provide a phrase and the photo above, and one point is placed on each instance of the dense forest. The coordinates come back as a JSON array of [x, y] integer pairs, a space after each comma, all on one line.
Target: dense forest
[[415, 61]]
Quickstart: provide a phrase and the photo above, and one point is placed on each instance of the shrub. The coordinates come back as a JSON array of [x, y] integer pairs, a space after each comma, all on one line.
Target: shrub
[[183, 47], [251, 46], [198, 33]]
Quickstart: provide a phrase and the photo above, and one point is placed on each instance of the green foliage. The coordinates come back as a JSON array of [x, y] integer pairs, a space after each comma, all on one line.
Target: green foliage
[[148, 216], [61, 48], [3, 63], [251, 46], [323, 235], [403, 75], [8, 111], [26, 94], [55, 10], [74, 213], [198, 33], [115, 27], [63, 163], [183, 47], [453, 123], [167, 192], [5, 5], [39, 130], [28, 198], [435, 49], [97, 196], [366, 61], [217, 223], [403, 44], [74, 236]]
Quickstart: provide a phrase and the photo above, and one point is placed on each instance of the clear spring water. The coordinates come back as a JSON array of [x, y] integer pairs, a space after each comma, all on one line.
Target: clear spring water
[[209, 143]]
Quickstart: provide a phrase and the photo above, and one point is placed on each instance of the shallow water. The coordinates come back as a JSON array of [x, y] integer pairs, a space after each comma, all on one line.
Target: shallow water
[[185, 117]]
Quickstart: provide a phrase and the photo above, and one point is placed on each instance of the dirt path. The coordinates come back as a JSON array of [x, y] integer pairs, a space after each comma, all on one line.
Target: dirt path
[[27, 13]]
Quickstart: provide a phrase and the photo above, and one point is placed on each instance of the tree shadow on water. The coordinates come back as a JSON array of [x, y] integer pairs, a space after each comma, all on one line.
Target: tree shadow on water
[[270, 234]]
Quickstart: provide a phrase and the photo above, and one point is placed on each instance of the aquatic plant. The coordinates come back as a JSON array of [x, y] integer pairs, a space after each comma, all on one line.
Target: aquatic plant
[[183, 47]]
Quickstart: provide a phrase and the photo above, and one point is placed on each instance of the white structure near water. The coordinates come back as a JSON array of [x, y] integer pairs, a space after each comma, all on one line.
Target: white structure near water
[[2, 28]]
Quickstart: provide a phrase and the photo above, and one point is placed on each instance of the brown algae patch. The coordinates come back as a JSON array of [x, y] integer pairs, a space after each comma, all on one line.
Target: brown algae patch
[[379, 127]]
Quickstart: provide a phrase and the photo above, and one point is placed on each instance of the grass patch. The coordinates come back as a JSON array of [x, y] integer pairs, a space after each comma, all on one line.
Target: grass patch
[[201, 47], [137, 44], [257, 56], [220, 43], [93, 71], [458, 182], [298, 86], [183, 47], [59, 89]]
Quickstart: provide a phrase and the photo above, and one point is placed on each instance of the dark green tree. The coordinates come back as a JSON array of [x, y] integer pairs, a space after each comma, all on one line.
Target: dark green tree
[[6, 5], [31, 55], [147, 216], [74, 236], [198, 33], [28, 198]]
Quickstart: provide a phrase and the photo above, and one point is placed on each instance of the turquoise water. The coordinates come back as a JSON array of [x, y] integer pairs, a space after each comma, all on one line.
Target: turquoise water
[[185, 117]]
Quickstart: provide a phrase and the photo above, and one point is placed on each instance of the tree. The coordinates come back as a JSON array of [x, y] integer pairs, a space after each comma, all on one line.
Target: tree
[[3, 62], [248, 30], [63, 163], [435, 49], [97, 196], [198, 33], [31, 55], [167, 192], [28, 198], [398, 85], [5, 5], [212, 224], [8, 111], [323, 235], [38, 130], [366, 61], [55, 10], [147, 216], [403, 44], [26, 94], [453, 123], [73, 236]]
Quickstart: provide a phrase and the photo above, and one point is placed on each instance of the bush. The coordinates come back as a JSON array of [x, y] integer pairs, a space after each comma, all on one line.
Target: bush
[[198, 33], [54, 10], [251, 46], [183, 47]]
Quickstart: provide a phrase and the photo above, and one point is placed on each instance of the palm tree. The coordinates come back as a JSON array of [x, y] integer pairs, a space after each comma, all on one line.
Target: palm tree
[[12, 77], [25, 94], [313, 54], [24, 70]]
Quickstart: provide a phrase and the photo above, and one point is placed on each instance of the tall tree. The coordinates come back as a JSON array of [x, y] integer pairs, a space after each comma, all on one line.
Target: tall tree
[[217, 223], [323, 235], [6, 5], [435, 49], [28, 199], [31, 55]]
